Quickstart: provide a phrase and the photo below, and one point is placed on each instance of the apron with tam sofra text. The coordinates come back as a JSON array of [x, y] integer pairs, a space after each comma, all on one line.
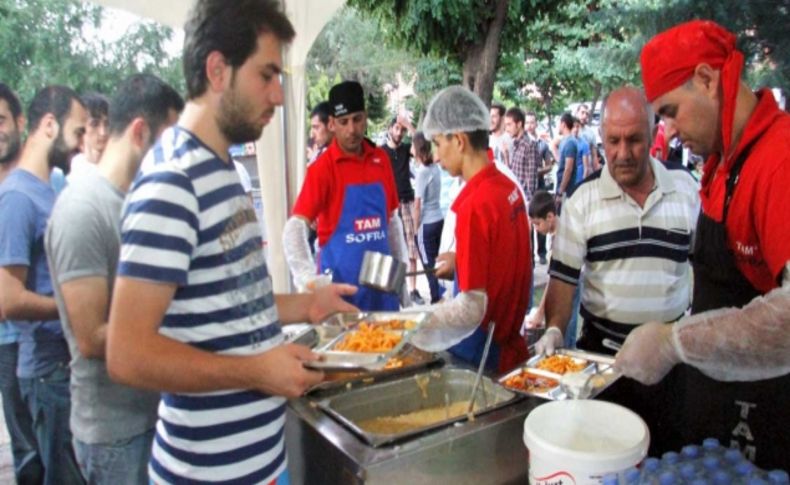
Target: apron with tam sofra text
[[362, 227], [753, 416]]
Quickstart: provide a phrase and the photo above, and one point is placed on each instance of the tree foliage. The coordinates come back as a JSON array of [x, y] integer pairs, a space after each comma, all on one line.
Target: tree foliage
[[45, 42], [352, 46]]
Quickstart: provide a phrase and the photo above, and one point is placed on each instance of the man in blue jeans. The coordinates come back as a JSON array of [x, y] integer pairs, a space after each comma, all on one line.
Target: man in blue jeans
[[27, 463], [57, 122], [112, 424]]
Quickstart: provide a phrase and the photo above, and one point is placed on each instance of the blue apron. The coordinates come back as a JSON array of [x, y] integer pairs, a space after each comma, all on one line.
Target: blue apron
[[362, 227], [470, 349]]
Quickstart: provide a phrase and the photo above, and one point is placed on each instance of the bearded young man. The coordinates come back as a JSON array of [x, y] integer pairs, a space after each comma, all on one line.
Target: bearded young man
[[57, 123], [193, 314]]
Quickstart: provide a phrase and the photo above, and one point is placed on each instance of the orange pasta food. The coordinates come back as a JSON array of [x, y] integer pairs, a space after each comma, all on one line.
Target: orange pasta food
[[560, 364], [368, 338], [524, 381]]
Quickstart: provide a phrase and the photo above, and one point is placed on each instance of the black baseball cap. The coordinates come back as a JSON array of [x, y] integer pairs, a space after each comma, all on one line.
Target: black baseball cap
[[346, 98]]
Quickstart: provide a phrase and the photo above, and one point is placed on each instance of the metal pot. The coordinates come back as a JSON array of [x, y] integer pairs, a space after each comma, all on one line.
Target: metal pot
[[381, 272]]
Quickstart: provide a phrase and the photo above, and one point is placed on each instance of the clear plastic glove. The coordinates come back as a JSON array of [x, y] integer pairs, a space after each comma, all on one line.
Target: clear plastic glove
[[451, 321], [648, 353], [297, 253], [549, 342], [746, 344]]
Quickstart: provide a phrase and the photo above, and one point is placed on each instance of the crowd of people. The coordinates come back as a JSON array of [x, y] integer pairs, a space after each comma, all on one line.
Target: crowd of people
[[141, 339]]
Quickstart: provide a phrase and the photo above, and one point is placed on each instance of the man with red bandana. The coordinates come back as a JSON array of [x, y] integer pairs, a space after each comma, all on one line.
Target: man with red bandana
[[733, 381]]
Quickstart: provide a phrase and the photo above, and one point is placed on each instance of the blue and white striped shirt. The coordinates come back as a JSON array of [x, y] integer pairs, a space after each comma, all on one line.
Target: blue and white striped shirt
[[188, 221]]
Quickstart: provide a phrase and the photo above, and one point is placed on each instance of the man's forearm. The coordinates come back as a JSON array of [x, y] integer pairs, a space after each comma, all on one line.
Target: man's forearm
[[162, 364], [30, 306], [566, 176], [293, 308], [559, 300]]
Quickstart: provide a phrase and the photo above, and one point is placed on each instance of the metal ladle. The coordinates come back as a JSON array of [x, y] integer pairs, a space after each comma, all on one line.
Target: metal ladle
[[480, 368]]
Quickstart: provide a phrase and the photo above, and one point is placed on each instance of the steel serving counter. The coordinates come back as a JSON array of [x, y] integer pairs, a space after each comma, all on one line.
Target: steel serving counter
[[486, 450]]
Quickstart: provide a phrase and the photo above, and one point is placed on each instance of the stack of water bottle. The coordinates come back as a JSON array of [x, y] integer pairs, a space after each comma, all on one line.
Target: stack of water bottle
[[709, 464]]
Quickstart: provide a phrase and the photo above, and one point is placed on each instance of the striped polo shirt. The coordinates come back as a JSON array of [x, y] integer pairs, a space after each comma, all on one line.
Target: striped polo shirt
[[635, 259], [188, 221]]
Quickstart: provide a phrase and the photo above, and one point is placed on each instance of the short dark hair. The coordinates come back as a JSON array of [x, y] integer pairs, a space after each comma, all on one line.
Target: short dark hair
[[8, 94], [231, 28], [97, 104], [146, 96], [322, 110], [541, 205], [499, 107], [51, 99], [530, 113], [422, 148], [515, 114], [567, 119], [478, 139]]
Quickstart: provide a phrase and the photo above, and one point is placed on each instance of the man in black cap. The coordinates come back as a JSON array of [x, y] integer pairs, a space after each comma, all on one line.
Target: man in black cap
[[350, 190]]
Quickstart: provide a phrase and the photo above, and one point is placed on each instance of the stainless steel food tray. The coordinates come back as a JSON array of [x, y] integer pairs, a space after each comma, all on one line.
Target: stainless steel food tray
[[419, 391], [414, 360], [345, 361], [556, 393], [302, 334]]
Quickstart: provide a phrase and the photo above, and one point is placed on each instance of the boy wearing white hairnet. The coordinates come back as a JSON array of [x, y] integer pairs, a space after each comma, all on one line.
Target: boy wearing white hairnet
[[493, 260]]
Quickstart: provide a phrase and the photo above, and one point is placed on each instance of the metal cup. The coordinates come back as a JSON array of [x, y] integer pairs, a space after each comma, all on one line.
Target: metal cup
[[381, 272]]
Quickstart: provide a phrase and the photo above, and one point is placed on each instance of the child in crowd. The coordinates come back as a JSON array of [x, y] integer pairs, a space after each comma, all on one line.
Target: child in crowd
[[544, 218]]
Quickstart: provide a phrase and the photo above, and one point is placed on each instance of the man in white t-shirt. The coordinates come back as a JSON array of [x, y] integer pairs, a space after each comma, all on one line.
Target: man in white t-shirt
[[498, 139]]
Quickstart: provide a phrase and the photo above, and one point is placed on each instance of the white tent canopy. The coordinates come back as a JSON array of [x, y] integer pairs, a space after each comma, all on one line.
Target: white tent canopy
[[281, 154]]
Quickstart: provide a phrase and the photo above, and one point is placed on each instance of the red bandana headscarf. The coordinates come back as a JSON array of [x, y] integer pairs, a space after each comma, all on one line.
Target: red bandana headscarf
[[669, 60]]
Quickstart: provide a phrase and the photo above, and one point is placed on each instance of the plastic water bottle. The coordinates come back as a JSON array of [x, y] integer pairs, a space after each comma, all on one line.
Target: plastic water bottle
[[688, 471], [712, 463], [632, 476], [670, 458], [667, 478], [650, 470], [721, 477], [733, 456], [691, 452], [778, 477], [610, 479], [711, 446]]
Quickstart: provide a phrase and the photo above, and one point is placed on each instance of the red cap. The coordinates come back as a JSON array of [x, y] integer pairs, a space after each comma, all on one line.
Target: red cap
[[669, 59]]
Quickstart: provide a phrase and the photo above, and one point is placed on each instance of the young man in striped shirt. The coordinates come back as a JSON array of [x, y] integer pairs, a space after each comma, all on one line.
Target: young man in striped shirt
[[193, 314]]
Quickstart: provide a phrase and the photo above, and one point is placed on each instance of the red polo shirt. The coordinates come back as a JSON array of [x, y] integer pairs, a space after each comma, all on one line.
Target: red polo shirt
[[758, 222], [493, 253], [323, 190]]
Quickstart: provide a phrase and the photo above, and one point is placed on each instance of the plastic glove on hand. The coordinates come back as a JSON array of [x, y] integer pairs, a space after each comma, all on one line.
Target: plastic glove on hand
[[648, 353], [549, 342]]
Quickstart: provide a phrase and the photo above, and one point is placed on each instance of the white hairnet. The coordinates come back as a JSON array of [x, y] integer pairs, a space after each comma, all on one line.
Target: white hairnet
[[455, 110]]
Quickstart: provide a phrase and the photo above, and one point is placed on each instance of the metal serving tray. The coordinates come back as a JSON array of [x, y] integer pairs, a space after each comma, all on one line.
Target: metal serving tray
[[420, 391], [345, 361], [414, 360], [556, 393], [301, 333]]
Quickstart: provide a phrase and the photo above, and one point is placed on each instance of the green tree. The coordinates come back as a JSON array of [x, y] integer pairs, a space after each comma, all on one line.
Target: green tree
[[472, 33], [44, 42]]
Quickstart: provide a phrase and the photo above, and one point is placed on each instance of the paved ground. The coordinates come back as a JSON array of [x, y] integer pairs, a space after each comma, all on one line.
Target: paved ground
[[6, 465]]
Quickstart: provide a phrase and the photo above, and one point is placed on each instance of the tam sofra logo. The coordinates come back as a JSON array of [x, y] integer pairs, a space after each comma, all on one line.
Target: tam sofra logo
[[745, 249], [366, 229]]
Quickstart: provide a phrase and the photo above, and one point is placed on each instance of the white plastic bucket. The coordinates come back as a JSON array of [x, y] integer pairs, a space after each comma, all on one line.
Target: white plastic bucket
[[580, 441]]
